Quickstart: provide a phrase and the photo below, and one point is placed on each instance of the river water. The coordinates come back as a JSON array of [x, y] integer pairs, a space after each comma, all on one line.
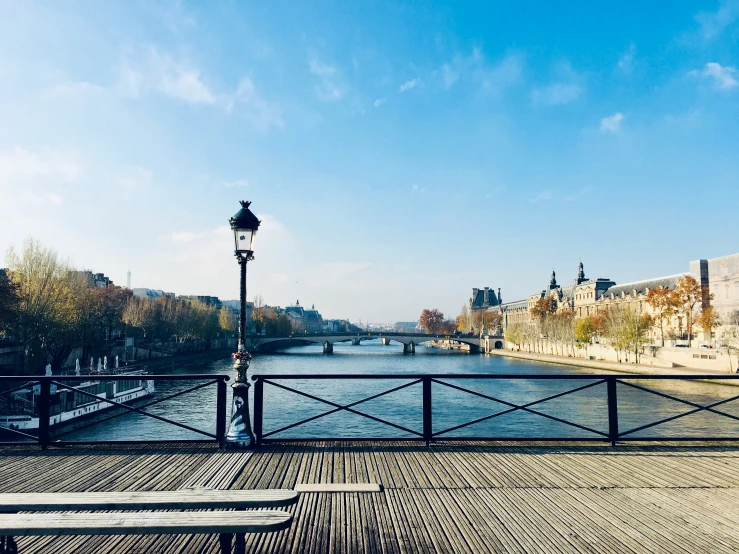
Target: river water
[[451, 407]]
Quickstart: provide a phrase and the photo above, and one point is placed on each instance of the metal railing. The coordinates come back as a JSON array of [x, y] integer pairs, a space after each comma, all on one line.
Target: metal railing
[[43, 401], [609, 409]]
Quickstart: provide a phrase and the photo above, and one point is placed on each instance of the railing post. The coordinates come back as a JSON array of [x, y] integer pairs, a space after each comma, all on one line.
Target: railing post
[[221, 413], [44, 400], [258, 409], [612, 410], [427, 412]]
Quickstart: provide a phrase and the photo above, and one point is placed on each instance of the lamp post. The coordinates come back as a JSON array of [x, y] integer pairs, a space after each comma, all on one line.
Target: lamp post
[[244, 225]]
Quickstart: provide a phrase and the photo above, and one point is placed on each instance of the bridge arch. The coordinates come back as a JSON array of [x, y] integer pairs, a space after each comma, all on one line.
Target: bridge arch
[[409, 341]]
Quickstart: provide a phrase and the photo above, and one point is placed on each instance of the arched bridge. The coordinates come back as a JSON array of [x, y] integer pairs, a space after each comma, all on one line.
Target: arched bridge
[[409, 341]]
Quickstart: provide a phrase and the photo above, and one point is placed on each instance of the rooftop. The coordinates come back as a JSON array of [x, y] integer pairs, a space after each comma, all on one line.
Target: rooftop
[[668, 282]]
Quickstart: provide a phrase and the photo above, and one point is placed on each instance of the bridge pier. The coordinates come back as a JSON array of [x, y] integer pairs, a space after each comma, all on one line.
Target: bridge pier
[[356, 341], [409, 348], [328, 348], [385, 341]]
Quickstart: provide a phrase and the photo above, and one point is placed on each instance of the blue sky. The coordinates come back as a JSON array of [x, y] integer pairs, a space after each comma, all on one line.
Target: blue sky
[[399, 154]]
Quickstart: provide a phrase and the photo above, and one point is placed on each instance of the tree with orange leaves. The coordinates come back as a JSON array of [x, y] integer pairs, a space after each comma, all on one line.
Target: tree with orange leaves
[[432, 321], [665, 304], [690, 292]]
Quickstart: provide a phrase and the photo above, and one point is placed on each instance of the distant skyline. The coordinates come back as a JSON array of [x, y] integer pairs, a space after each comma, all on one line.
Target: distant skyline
[[398, 153]]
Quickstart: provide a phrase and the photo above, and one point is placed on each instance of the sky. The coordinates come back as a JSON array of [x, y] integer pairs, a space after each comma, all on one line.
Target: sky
[[398, 153]]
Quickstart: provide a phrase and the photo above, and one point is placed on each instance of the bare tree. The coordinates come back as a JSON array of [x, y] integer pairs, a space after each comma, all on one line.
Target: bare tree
[[257, 314]]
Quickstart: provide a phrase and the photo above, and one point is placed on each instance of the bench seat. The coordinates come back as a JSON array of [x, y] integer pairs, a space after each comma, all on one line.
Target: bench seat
[[144, 523], [36, 519], [184, 499]]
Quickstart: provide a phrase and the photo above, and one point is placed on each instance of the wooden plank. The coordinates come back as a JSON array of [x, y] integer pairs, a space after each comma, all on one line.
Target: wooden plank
[[258, 521], [338, 487], [146, 500]]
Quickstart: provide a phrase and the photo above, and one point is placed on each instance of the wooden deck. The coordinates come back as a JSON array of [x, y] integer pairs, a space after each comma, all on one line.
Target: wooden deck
[[447, 498]]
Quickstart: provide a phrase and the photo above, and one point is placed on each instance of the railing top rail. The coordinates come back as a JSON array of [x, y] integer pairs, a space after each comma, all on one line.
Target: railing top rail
[[547, 376], [103, 377]]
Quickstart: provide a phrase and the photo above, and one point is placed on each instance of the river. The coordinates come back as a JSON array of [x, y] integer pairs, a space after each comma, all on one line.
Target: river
[[404, 407]]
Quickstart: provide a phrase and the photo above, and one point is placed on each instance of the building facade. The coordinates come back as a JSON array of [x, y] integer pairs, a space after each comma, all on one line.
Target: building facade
[[584, 296], [304, 320]]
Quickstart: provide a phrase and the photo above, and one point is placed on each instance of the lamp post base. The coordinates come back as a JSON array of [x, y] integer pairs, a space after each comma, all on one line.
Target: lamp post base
[[240, 436]]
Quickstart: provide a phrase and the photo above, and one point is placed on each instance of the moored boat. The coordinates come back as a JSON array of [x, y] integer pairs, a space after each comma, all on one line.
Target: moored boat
[[20, 409]]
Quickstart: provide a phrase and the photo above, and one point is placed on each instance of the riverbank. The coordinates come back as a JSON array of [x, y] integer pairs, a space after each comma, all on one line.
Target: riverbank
[[192, 362], [607, 366]]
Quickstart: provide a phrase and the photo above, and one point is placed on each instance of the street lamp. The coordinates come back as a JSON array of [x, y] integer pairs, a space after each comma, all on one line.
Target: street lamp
[[244, 225]]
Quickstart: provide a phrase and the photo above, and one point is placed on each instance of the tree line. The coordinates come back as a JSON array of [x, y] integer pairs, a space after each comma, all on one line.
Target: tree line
[[433, 321], [49, 308]]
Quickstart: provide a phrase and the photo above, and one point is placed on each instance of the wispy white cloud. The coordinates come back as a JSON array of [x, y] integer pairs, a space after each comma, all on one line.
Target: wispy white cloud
[[612, 123], [543, 196], [20, 165], [250, 104], [172, 14], [159, 72], [556, 94], [723, 77], [36, 176], [186, 85], [565, 88], [477, 69], [408, 85], [418, 189], [330, 87], [379, 102], [626, 61], [80, 90], [239, 183], [712, 24], [580, 193], [502, 74], [162, 73], [449, 75], [321, 69]]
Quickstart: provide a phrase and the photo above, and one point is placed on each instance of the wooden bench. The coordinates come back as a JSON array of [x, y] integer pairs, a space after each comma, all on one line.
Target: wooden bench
[[137, 522]]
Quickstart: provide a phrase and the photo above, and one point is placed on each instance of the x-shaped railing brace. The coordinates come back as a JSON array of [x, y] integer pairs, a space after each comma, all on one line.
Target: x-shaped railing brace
[[515, 407], [340, 407], [699, 408]]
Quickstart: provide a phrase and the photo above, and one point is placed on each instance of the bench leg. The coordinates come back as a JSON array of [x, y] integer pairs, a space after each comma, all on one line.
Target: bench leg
[[8, 546], [240, 544], [225, 539]]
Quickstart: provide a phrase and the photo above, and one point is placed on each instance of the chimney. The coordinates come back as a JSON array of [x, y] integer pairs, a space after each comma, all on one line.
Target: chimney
[[486, 297]]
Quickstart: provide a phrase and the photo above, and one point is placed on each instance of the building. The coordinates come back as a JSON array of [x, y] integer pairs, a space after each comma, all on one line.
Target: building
[[720, 277], [408, 327], [151, 294], [585, 297], [95, 280], [333, 326], [207, 300], [235, 307], [302, 320], [484, 299]]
